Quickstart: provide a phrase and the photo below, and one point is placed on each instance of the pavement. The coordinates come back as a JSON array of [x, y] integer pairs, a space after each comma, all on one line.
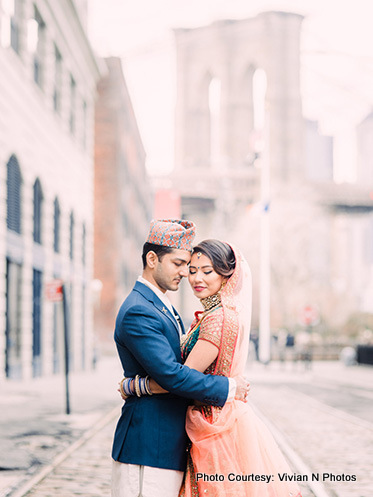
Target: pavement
[[321, 418], [34, 428], [324, 416]]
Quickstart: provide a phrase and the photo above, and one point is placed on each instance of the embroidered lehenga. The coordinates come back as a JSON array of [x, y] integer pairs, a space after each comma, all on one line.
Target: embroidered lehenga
[[230, 446]]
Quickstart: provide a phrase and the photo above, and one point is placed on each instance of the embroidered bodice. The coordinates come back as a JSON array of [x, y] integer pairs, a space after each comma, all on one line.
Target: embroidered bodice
[[206, 326]]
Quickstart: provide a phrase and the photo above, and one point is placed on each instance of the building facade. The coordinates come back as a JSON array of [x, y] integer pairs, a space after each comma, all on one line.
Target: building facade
[[123, 199], [47, 94]]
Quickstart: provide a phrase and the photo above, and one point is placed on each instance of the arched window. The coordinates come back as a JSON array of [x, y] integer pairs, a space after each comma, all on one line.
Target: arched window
[[72, 223], [214, 108], [14, 183], [56, 226], [259, 98], [38, 201]]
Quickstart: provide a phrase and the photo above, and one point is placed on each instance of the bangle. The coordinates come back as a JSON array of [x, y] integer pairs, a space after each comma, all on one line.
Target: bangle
[[126, 386], [147, 386], [122, 390], [142, 386], [137, 385]]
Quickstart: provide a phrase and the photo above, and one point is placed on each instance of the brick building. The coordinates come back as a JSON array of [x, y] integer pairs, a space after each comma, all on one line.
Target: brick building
[[47, 93], [123, 199]]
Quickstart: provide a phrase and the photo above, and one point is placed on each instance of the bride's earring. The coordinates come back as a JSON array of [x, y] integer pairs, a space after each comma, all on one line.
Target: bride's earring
[[223, 285]]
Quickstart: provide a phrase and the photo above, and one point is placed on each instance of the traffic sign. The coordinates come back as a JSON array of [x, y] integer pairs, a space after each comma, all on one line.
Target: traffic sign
[[53, 291], [309, 316]]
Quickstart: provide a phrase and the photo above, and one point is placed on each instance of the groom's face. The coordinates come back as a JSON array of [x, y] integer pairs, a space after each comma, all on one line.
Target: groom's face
[[171, 268]]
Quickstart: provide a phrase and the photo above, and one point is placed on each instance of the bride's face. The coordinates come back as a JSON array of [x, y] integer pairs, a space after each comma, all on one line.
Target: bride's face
[[202, 277]]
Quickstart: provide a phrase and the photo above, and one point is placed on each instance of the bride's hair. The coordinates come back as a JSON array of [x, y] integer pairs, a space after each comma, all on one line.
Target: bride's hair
[[220, 254]]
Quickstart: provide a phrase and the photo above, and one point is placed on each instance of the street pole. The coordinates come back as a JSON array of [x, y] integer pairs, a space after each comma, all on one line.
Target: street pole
[[265, 257], [66, 345]]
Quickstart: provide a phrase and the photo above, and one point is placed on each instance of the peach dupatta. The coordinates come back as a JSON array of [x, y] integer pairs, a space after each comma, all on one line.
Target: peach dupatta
[[232, 451]]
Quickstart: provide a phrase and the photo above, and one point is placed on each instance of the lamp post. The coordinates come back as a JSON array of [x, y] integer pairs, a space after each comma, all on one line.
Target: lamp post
[[265, 256]]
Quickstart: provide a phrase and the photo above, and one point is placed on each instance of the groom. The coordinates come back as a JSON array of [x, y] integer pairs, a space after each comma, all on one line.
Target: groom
[[149, 448]]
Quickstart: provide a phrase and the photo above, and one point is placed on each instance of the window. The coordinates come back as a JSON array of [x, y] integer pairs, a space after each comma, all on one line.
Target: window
[[56, 226], [72, 105], [11, 24], [13, 327], [37, 299], [14, 183], [57, 80], [72, 222], [15, 24], [214, 94], [38, 48], [38, 201], [259, 98]]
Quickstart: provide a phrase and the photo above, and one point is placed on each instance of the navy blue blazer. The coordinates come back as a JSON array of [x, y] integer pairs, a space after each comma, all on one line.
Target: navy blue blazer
[[151, 429]]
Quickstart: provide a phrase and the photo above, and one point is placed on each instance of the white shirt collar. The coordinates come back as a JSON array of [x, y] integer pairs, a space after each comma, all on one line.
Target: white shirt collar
[[162, 296]]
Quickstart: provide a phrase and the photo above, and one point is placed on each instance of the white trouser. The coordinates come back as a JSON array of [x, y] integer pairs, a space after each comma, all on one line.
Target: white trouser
[[131, 480]]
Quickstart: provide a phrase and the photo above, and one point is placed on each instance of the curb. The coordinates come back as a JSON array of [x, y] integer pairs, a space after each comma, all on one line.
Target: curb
[[38, 477]]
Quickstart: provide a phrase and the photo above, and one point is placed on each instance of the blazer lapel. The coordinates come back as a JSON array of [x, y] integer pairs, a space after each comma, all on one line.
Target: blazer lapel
[[180, 320], [164, 310], [152, 297]]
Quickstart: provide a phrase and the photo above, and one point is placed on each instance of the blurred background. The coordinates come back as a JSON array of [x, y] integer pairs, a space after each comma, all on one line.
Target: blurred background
[[254, 119]]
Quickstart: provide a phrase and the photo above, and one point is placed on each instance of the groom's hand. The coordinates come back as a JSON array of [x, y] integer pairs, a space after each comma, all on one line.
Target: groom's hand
[[242, 388]]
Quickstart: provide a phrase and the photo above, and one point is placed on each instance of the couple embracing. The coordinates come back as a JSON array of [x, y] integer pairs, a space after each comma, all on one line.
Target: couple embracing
[[186, 429]]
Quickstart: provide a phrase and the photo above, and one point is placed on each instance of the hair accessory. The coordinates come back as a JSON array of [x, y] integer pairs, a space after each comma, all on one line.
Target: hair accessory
[[199, 255], [173, 233]]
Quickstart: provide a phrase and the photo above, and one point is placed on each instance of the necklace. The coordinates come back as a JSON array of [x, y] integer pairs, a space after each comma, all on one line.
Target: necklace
[[211, 302]]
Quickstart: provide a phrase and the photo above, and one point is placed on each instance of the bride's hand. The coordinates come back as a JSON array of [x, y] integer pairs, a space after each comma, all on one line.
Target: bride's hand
[[242, 388]]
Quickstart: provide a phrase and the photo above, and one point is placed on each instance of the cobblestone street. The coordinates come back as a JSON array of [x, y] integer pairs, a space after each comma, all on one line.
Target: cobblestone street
[[328, 439], [86, 472], [316, 436]]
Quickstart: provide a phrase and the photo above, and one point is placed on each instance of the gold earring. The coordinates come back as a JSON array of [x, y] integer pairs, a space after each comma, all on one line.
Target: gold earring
[[223, 285]]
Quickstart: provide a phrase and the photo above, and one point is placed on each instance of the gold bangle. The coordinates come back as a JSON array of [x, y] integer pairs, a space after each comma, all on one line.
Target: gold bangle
[[122, 392], [137, 386], [147, 386]]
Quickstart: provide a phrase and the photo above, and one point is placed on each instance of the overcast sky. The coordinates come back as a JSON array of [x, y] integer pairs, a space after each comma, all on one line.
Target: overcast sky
[[336, 61]]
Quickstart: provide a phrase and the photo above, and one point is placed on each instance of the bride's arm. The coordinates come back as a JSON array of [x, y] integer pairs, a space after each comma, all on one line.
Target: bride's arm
[[202, 355]]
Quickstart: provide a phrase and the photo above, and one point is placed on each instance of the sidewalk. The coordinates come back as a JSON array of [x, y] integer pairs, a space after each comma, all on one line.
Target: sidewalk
[[34, 428]]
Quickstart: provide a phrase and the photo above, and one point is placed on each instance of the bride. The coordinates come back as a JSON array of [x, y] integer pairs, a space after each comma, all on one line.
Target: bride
[[231, 453]]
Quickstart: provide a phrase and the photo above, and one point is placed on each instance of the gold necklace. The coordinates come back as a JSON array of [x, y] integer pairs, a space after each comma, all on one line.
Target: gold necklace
[[211, 301]]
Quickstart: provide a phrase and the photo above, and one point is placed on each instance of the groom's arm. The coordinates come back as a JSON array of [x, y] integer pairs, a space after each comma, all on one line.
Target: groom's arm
[[142, 334]]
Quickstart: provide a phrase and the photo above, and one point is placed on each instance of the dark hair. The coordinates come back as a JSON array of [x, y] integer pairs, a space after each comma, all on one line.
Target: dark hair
[[160, 250], [221, 255]]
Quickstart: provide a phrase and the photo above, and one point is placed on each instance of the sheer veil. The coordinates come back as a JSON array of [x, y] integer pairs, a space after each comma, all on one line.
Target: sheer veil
[[236, 444], [236, 299]]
